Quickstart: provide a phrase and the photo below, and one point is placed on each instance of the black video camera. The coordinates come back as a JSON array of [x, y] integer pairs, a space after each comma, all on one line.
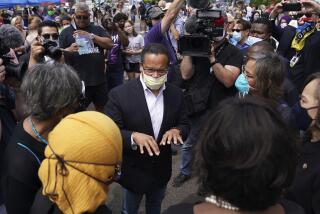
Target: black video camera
[[209, 23], [52, 50]]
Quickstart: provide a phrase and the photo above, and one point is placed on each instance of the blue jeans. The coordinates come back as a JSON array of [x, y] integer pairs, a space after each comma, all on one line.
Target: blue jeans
[[187, 148], [131, 201]]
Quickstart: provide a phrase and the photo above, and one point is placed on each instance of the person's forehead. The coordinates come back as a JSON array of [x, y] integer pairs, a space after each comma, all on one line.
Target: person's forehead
[[238, 26], [259, 27], [49, 30], [155, 59], [82, 13]]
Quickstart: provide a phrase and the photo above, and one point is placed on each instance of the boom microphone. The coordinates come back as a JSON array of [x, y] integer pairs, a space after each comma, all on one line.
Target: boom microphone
[[198, 4]]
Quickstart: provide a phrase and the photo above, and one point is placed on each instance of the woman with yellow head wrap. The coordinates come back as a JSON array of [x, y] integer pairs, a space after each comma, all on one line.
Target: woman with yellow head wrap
[[82, 158]]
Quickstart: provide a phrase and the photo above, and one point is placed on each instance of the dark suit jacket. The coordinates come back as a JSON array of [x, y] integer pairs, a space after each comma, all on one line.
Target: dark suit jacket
[[127, 106]]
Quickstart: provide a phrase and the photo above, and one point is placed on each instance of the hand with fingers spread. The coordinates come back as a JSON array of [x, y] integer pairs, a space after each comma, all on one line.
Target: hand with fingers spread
[[172, 136], [147, 142]]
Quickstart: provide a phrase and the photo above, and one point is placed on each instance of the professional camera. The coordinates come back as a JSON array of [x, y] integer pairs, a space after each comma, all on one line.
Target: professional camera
[[52, 50], [207, 24]]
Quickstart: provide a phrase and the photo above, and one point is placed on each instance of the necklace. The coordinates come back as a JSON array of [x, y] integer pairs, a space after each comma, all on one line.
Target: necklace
[[220, 203], [35, 131]]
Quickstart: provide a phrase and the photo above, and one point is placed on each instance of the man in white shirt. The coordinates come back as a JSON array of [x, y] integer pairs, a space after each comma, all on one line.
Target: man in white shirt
[[151, 115]]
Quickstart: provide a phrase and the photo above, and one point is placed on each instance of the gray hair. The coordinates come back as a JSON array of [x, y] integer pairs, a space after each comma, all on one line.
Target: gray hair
[[81, 7], [48, 88], [10, 36]]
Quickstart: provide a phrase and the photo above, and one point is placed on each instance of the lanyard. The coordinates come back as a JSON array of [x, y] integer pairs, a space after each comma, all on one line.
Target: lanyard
[[35, 131]]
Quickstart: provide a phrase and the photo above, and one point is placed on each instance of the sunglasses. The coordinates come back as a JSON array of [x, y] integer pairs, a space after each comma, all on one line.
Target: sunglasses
[[54, 36], [82, 17], [237, 30]]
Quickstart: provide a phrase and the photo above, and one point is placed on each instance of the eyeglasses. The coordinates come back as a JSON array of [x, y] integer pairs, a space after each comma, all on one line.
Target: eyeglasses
[[53, 36], [82, 17], [152, 71], [237, 30]]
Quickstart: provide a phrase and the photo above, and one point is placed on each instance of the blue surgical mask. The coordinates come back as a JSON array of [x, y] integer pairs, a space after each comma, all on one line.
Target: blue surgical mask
[[242, 85], [237, 36], [252, 40]]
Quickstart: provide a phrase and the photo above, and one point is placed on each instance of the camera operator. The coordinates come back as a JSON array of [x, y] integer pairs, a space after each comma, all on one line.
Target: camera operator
[[48, 35], [207, 80], [7, 119]]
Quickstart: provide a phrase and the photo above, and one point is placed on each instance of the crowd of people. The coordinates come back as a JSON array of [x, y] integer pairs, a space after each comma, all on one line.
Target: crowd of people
[[89, 97]]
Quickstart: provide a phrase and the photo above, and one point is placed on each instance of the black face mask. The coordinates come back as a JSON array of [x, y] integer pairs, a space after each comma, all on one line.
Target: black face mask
[[303, 119]]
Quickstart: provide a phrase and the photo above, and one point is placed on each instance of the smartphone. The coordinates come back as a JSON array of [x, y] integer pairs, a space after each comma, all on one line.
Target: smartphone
[[291, 7]]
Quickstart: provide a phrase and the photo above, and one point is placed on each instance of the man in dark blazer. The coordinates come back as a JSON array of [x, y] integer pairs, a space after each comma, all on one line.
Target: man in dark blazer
[[151, 115]]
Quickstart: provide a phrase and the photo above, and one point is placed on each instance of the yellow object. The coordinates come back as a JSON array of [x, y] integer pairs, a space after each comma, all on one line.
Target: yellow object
[[299, 44], [92, 139]]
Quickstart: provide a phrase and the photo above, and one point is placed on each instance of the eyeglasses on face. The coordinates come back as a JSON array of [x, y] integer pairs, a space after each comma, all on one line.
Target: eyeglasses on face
[[53, 36], [82, 17], [151, 71], [237, 30]]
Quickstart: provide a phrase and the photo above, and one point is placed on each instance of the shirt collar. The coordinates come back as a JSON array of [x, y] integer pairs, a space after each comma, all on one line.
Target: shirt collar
[[145, 88]]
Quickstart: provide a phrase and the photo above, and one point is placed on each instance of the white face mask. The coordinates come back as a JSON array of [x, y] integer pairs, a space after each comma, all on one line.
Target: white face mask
[[237, 36], [252, 40], [218, 39], [283, 25], [154, 83]]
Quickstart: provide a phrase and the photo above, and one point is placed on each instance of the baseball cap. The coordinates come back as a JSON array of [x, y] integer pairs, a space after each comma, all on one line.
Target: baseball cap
[[155, 12]]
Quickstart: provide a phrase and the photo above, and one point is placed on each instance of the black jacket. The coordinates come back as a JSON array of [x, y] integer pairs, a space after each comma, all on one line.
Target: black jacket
[[127, 106], [309, 61]]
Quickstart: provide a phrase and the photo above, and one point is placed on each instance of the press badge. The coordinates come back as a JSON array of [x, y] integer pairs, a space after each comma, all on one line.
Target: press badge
[[294, 61]]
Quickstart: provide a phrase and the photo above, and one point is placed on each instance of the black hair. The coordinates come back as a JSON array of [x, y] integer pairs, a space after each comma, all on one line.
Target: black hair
[[265, 22], [47, 23], [264, 45], [246, 154], [65, 17], [120, 16], [245, 24], [154, 48]]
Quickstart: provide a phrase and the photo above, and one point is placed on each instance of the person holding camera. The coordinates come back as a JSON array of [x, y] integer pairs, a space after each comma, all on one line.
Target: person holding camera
[[299, 45], [207, 81], [45, 48]]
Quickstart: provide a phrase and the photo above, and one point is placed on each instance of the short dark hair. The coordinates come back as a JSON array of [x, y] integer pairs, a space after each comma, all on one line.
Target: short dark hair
[[263, 45], [154, 48], [65, 17], [265, 22], [245, 24], [240, 156], [47, 23], [120, 16]]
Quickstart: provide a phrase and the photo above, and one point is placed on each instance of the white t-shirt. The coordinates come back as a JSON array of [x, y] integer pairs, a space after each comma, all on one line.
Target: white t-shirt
[[135, 43]]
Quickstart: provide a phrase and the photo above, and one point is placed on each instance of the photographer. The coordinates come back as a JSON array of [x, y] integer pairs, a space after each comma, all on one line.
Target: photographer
[[45, 48], [300, 46], [207, 81]]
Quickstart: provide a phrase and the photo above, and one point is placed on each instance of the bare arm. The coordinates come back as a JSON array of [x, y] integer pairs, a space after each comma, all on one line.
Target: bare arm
[[171, 14], [175, 33], [103, 42], [227, 75], [187, 67]]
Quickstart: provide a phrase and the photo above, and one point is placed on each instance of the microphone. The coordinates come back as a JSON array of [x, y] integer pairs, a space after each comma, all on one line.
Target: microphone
[[10, 37], [191, 25], [198, 4]]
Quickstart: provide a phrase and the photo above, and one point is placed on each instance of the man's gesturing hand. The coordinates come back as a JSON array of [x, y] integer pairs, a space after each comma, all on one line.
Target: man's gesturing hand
[[173, 135], [146, 142]]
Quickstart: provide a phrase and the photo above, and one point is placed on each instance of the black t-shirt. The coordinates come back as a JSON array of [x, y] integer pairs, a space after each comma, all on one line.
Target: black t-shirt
[[20, 181], [226, 54], [91, 66]]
